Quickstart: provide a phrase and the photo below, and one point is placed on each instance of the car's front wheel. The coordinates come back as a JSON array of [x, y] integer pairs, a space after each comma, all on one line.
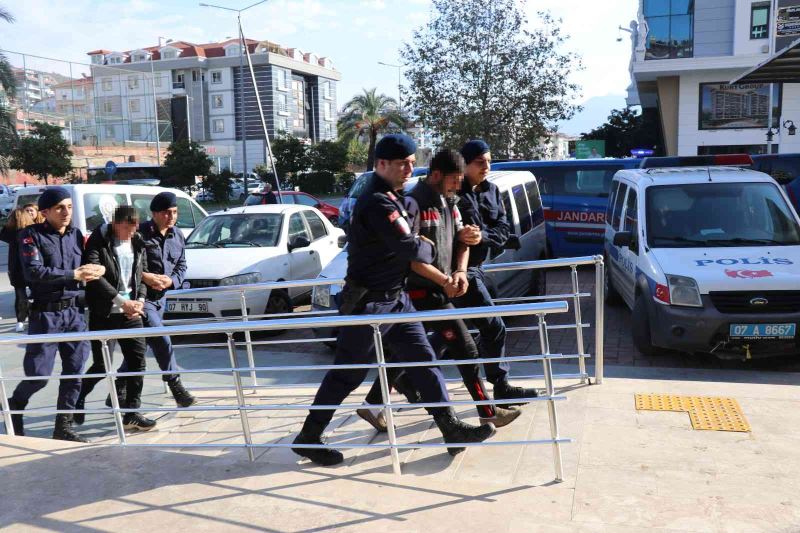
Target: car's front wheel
[[278, 303], [640, 322], [611, 295]]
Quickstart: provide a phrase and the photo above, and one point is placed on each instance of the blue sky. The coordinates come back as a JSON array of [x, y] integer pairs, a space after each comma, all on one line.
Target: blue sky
[[355, 34]]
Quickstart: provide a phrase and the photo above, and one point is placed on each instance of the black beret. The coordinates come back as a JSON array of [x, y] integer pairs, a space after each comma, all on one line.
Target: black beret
[[52, 196], [473, 149], [395, 146], [163, 201]]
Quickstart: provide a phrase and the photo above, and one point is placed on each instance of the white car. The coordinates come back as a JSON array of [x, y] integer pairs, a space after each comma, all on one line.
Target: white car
[[253, 244], [7, 198], [707, 259]]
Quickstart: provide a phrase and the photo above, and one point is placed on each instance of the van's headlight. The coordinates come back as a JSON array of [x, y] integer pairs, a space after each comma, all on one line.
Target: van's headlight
[[241, 279], [321, 296], [683, 291]]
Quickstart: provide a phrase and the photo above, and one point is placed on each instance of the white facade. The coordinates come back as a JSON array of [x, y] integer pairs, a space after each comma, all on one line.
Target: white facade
[[725, 42]]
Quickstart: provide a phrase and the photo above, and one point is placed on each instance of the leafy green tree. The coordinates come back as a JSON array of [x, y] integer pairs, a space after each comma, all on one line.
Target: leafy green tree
[[8, 90], [357, 153], [185, 160], [328, 156], [43, 152], [219, 185], [626, 130], [475, 70], [369, 115], [291, 158]]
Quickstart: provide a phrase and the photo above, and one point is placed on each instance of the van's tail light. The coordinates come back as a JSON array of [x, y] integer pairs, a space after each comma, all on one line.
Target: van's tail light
[[733, 159], [662, 293]]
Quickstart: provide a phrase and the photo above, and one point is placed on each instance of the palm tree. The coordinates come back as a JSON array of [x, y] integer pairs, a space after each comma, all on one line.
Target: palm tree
[[369, 114], [8, 132]]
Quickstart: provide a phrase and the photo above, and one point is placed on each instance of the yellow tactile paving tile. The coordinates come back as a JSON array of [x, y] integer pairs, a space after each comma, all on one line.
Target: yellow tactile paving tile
[[705, 412]]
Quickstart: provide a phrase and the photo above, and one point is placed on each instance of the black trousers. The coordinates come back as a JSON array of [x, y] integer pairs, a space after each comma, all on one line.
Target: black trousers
[[21, 303], [133, 351], [452, 335]]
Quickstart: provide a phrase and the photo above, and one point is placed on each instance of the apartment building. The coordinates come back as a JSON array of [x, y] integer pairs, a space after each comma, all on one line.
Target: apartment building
[[185, 90], [74, 102], [684, 55]]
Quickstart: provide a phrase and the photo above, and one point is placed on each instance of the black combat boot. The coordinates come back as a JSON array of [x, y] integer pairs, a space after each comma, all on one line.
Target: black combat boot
[[454, 430], [16, 420], [79, 418], [504, 391], [122, 392], [182, 396], [311, 434], [63, 430]]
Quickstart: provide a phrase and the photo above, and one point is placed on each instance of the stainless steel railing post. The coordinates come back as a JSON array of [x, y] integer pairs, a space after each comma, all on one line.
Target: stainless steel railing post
[[248, 341], [544, 342], [599, 318], [237, 380], [387, 400], [6, 407], [576, 302], [111, 375]]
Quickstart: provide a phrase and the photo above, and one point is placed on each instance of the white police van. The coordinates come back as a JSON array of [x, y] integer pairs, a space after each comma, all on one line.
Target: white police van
[[708, 260]]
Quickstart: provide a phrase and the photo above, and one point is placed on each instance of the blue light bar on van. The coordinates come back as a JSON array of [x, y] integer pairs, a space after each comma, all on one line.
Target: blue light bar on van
[[697, 161], [642, 152]]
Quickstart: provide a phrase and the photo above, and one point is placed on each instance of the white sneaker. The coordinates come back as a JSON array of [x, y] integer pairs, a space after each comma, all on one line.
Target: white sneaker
[[20, 327]]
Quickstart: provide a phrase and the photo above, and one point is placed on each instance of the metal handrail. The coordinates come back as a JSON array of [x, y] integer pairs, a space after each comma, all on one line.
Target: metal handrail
[[537, 309]]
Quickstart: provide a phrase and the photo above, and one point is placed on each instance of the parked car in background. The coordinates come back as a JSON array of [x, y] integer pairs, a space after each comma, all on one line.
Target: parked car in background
[[94, 204], [346, 207], [523, 203], [7, 198], [331, 212], [785, 169], [251, 244]]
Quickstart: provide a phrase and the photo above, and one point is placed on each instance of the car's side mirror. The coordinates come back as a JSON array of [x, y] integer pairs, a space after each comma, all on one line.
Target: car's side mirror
[[512, 243], [341, 241], [299, 242], [623, 238]]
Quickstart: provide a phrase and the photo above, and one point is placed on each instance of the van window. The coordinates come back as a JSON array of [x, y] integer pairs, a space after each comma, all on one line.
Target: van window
[[611, 200], [141, 202], [197, 213], [185, 219], [618, 205], [99, 208], [522, 209], [507, 205], [358, 186], [28, 199], [576, 181], [535, 203], [631, 218]]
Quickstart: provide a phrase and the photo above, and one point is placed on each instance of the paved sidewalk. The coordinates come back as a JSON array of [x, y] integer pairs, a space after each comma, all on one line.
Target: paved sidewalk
[[626, 471]]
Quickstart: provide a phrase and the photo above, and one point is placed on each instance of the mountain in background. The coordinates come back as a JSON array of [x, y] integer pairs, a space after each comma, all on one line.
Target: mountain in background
[[595, 113]]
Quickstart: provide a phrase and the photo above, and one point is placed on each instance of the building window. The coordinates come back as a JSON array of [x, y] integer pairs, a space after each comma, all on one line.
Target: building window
[[116, 60], [328, 111], [107, 107], [326, 91], [169, 54], [759, 20], [282, 84], [219, 125], [299, 95], [139, 57], [106, 84], [110, 131], [328, 130], [157, 80], [97, 59], [134, 105], [136, 130], [283, 107], [216, 101], [670, 28], [281, 125], [133, 82], [234, 50], [216, 76]]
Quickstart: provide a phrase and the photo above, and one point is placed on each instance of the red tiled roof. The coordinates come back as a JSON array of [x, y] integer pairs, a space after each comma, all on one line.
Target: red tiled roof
[[95, 52], [69, 83]]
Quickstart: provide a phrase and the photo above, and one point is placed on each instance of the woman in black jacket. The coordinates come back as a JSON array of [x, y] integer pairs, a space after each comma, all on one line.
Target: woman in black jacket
[[20, 218], [116, 301]]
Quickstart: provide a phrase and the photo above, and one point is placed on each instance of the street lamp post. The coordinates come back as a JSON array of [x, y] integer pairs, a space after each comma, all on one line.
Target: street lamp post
[[241, 78], [399, 83]]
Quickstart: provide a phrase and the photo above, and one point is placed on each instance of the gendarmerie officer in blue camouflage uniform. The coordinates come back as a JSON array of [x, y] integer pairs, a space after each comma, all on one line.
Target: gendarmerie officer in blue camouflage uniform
[[165, 249], [380, 250], [50, 253], [482, 209]]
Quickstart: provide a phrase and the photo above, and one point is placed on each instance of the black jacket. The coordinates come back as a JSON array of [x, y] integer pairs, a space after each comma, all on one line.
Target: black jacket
[[483, 206], [99, 250], [15, 274]]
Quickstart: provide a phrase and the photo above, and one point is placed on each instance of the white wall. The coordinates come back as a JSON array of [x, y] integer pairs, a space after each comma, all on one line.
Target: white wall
[[742, 44], [689, 134], [790, 144]]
